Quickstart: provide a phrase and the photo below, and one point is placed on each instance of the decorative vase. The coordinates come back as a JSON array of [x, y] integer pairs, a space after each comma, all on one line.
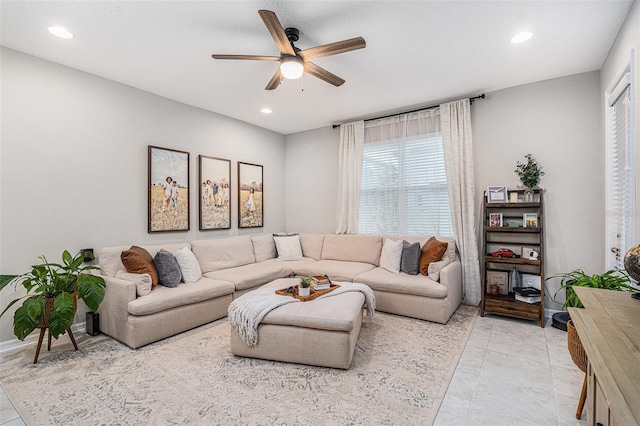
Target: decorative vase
[[514, 279], [304, 291], [528, 195]]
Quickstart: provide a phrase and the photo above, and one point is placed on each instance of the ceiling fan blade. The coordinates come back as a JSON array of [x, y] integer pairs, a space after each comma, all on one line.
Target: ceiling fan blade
[[277, 32], [323, 74], [247, 57], [333, 48], [275, 81]]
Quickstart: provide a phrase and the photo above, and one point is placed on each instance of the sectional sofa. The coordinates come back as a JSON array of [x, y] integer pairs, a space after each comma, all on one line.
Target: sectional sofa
[[234, 265]]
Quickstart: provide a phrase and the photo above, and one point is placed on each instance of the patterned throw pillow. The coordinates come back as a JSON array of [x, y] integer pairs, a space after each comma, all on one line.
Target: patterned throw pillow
[[138, 261], [169, 274], [288, 246], [410, 261]]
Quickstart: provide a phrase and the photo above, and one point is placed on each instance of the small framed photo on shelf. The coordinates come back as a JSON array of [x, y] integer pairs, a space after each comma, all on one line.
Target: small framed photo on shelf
[[499, 278], [495, 220], [497, 194], [530, 220], [528, 253]]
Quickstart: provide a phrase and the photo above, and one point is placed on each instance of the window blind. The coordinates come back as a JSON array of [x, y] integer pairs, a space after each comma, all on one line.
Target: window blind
[[404, 188], [621, 179]]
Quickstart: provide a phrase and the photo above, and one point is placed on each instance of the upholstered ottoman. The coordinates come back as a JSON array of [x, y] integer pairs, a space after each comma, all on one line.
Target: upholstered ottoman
[[321, 332]]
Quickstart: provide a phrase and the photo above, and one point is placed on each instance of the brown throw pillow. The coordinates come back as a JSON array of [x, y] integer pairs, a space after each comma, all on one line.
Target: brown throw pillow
[[137, 260], [432, 251]]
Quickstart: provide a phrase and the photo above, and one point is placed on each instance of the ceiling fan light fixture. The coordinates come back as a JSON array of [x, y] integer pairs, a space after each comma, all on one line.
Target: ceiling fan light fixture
[[291, 67]]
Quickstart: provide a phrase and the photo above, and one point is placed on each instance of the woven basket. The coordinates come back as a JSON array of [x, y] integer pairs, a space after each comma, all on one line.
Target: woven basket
[[576, 350]]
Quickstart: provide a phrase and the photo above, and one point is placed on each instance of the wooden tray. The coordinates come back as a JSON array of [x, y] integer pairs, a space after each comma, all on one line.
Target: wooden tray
[[313, 295]]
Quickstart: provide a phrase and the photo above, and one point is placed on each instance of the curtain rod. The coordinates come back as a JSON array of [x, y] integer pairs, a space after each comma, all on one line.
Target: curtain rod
[[415, 110]]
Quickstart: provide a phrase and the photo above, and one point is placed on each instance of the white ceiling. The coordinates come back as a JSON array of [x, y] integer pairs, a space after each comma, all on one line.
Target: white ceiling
[[418, 52]]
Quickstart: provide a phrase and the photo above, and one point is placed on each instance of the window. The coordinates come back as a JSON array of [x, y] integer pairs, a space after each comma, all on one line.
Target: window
[[620, 174], [404, 188]]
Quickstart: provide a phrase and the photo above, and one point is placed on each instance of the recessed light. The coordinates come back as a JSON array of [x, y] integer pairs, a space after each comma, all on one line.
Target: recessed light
[[522, 36], [60, 32], [266, 111]]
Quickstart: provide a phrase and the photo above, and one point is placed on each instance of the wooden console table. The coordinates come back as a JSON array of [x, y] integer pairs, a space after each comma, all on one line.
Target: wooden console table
[[609, 329]]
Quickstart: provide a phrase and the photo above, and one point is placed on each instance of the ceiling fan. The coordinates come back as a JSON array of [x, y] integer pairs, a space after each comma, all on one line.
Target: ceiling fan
[[293, 61]]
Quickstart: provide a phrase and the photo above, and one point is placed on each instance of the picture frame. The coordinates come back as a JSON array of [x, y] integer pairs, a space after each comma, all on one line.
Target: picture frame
[[495, 220], [530, 220], [497, 194], [250, 195], [499, 278], [532, 280], [525, 252], [214, 193], [168, 190]]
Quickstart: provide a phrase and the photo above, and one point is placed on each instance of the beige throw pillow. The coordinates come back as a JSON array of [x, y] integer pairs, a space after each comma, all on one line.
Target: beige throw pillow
[[142, 281], [391, 255]]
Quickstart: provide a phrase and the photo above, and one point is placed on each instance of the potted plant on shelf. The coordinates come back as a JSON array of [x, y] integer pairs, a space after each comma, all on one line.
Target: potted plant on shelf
[[529, 174], [52, 293], [304, 286]]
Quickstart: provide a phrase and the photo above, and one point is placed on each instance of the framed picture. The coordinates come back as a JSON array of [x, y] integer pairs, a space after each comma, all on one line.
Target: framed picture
[[530, 220], [495, 219], [250, 196], [530, 280], [528, 252], [497, 194], [168, 190], [214, 190], [499, 278]]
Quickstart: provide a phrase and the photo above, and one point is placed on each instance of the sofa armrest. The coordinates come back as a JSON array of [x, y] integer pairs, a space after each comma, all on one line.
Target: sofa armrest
[[113, 309], [451, 277]]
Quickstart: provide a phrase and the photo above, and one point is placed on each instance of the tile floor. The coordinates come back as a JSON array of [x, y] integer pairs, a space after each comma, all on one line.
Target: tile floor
[[511, 372]]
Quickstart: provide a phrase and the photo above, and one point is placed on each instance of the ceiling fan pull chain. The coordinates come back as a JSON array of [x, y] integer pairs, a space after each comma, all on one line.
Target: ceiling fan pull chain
[[302, 82]]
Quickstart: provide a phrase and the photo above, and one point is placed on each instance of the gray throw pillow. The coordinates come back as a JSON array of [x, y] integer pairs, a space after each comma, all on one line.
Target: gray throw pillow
[[410, 260], [169, 274]]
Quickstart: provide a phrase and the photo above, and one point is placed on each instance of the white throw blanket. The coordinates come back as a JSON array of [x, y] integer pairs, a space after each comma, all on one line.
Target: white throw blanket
[[248, 310]]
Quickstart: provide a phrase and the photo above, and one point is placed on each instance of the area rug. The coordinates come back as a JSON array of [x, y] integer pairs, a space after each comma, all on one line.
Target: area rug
[[399, 375]]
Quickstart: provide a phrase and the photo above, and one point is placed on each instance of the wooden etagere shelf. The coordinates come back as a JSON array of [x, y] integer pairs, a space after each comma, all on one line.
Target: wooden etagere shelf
[[513, 238]]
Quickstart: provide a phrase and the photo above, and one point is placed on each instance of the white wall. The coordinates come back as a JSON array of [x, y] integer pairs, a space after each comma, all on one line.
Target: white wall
[[73, 163], [558, 121], [311, 176], [614, 67]]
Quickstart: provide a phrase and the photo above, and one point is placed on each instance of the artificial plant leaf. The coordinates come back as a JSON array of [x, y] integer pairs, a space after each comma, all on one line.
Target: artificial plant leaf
[[66, 258], [62, 313], [23, 324], [91, 290], [35, 308]]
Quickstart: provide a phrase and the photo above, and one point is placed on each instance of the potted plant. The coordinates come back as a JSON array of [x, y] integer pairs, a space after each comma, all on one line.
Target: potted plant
[[304, 286], [52, 293], [529, 174]]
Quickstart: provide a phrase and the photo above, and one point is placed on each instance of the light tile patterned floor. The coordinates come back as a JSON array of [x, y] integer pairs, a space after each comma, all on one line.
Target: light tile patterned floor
[[511, 372]]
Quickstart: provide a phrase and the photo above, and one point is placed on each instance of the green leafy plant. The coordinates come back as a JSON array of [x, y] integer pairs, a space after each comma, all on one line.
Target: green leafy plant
[[58, 282], [611, 280], [529, 172], [305, 282]]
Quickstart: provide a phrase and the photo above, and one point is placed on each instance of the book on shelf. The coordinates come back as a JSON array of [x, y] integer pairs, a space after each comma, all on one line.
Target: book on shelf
[[527, 291], [528, 299]]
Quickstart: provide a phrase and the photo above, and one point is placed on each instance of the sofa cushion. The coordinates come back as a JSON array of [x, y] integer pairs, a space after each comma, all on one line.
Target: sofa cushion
[[336, 270], [110, 262], [339, 313], [417, 285], [223, 253], [391, 255], [288, 246], [352, 248], [142, 282], [410, 262], [264, 248], [291, 264], [432, 251], [164, 298], [189, 266], [169, 274], [312, 245], [137, 260], [252, 275]]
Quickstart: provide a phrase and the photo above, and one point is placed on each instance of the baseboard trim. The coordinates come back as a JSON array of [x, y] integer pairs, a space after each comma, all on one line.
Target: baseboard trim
[[33, 338], [548, 313]]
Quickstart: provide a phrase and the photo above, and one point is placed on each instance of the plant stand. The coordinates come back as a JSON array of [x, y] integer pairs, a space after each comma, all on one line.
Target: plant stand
[[42, 331]]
